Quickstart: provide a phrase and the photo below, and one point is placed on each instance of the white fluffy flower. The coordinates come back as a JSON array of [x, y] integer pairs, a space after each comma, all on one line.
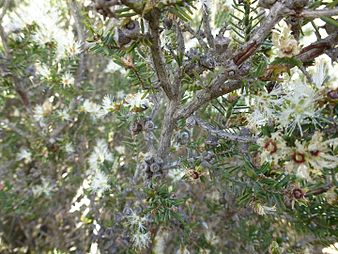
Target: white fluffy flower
[[94, 109], [64, 115], [44, 189], [108, 103], [51, 26], [141, 240], [318, 152], [257, 119], [24, 154], [319, 75], [67, 79], [43, 71], [100, 182], [136, 221], [273, 149], [137, 101], [42, 111], [299, 108], [73, 48], [100, 154], [69, 148], [264, 106], [284, 41]]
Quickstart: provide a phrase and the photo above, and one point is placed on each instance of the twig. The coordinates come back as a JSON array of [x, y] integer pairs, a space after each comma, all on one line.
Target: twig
[[217, 89], [319, 13], [317, 48], [320, 190], [157, 56], [220, 133], [316, 30], [180, 39], [206, 26], [170, 89]]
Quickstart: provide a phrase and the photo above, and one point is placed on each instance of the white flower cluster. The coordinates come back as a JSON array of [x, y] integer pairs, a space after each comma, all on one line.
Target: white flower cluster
[[140, 237], [45, 188], [42, 111], [304, 158], [101, 153], [100, 182], [67, 79], [43, 71], [93, 108], [25, 155], [135, 102], [141, 240], [284, 41], [292, 106], [50, 25]]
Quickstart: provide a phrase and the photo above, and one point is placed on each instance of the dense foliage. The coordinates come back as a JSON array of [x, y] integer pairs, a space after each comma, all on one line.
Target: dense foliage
[[168, 126]]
